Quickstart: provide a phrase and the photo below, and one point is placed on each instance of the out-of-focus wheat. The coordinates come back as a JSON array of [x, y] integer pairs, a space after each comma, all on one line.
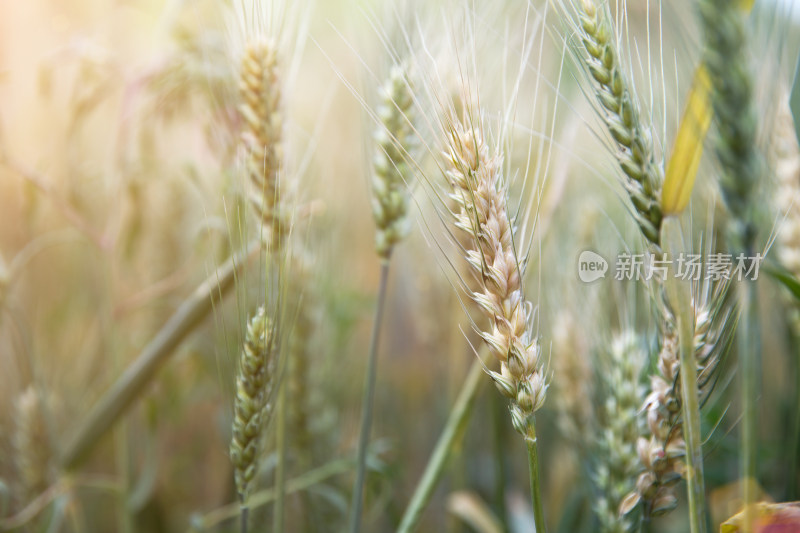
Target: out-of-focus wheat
[[252, 405], [260, 91], [617, 459], [32, 450], [396, 146]]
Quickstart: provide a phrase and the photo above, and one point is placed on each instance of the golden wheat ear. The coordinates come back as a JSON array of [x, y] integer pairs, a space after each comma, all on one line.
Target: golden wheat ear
[[252, 406], [262, 135]]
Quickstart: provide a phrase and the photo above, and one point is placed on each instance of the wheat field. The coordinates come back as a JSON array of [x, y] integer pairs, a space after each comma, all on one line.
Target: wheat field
[[445, 266]]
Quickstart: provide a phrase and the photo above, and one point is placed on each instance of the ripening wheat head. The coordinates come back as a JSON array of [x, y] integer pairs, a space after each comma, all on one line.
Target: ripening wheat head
[[392, 172], [252, 406], [616, 454], [595, 46], [662, 451], [261, 44], [474, 172]]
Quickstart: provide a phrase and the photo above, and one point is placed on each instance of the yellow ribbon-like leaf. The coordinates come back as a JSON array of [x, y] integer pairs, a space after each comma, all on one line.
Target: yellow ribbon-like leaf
[[688, 149]]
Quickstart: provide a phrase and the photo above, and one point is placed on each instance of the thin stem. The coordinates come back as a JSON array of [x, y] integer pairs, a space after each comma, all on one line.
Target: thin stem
[[243, 519], [367, 402], [124, 392], [280, 471], [451, 435], [748, 367], [533, 467], [499, 445], [691, 418], [794, 447], [680, 297]]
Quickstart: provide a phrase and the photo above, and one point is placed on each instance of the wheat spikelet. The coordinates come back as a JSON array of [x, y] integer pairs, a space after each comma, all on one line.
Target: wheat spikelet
[[478, 188], [620, 111], [618, 462], [252, 405], [396, 142], [260, 109], [725, 57]]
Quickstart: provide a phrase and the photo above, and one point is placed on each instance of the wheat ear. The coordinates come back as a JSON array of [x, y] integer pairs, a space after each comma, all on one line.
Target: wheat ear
[[260, 108], [662, 453], [479, 189], [252, 405], [396, 142], [725, 57], [620, 111], [618, 462]]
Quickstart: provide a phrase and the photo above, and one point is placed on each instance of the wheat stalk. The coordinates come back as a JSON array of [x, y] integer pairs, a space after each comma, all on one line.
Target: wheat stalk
[[396, 141], [479, 190]]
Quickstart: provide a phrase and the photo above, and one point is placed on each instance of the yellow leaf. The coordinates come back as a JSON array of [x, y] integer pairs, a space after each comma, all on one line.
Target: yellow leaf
[[688, 149], [747, 5]]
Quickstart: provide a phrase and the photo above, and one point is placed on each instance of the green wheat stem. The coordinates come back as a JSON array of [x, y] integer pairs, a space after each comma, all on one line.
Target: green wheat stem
[[499, 453], [280, 471], [448, 440], [368, 401], [680, 297], [794, 447], [748, 339], [533, 468], [243, 519]]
